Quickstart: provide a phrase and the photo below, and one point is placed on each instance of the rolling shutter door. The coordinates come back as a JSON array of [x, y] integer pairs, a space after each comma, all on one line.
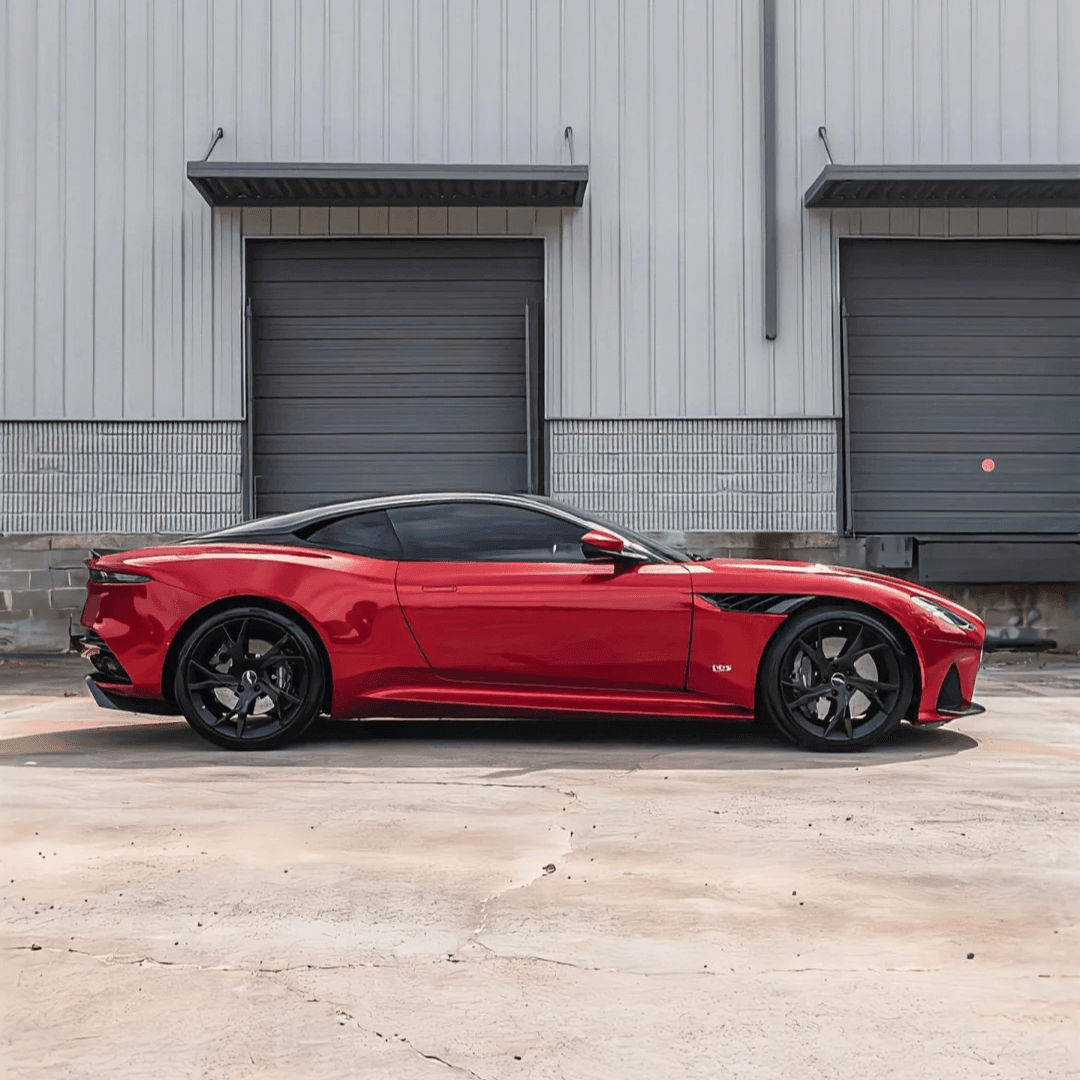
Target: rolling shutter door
[[388, 367], [963, 370]]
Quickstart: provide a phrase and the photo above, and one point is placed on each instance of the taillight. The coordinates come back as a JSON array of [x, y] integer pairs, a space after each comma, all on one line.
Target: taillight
[[112, 577]]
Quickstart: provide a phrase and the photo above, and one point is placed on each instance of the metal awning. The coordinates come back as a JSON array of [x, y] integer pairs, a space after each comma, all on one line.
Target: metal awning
[[841, 187], [295, 183]]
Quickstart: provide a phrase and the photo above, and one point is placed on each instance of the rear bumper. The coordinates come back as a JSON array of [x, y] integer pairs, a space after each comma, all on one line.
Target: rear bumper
[[108, 697]]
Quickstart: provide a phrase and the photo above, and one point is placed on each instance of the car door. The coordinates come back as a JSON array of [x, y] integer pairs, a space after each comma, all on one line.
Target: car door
[[502, 593]]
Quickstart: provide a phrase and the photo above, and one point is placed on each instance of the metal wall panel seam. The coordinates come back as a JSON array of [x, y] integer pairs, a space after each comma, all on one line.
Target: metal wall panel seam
[[753, 360], [727, 317], [534, 89], [790, 350], [474, 76], [635, 234], [1067, 32], [619, 271], [746, 283], [297, 78], [504, 74], [807, 267], [195, 215], [650, 142], [168, 278], [712, 351], [136, 390], [5, 70], [20, 68], [598, 289], [575, 288], [48, 356], [768, 165]]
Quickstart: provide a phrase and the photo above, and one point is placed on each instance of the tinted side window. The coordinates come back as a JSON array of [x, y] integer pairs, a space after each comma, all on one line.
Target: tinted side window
[[362, 534], [485, 532]]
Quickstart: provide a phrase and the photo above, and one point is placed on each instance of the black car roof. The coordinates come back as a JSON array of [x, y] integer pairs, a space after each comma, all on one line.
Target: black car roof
[[301, 519]]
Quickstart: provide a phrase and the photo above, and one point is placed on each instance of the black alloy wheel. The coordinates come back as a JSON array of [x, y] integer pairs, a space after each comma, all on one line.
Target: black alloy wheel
[[249, 679], [836, 679]]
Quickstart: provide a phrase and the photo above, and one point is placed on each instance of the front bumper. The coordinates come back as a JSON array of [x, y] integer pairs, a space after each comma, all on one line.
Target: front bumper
[[967, 710], [949, 670], [947, 716]]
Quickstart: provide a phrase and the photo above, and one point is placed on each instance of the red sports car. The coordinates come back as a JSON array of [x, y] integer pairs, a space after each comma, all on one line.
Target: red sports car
[[510, 605]]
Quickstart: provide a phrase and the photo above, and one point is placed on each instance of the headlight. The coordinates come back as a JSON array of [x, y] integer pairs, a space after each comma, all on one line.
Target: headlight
[[111, 577], [943, 614]]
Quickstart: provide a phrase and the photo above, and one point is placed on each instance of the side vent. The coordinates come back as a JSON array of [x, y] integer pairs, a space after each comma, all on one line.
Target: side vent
[[755, 603]]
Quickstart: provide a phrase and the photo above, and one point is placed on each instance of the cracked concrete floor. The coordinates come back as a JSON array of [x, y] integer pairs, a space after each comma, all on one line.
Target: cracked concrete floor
[[569, 900]]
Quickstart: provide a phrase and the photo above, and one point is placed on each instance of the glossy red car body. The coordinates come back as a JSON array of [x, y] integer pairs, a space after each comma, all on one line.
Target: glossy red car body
[[506, 639]]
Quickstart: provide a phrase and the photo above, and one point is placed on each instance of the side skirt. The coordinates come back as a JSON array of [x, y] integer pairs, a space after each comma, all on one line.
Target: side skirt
[[542, 701]]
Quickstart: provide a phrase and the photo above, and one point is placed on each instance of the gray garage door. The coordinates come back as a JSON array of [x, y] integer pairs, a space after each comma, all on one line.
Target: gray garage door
[[389, 366], [963, 402]]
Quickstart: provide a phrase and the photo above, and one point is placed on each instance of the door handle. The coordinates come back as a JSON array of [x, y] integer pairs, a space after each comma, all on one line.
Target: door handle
[[438, 588]]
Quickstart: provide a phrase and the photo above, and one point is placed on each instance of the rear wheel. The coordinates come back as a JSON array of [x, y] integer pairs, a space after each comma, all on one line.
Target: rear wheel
[[249, 679], [836, 679]]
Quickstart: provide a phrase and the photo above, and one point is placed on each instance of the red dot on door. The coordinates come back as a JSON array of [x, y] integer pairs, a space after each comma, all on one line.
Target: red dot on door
[[988, 464]]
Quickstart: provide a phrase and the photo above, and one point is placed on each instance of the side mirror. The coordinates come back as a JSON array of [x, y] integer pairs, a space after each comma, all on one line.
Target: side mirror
[[601, 545]]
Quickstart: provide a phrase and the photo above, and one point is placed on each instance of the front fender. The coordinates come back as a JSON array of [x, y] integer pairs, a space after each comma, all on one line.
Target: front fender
[[936, 648]]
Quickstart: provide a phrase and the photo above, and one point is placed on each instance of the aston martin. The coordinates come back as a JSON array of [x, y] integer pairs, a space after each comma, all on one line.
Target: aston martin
[[482, 605]]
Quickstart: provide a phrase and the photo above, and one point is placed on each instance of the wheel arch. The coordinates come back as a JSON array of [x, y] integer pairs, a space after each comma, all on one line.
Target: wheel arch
[[822, 602], [191, 623]]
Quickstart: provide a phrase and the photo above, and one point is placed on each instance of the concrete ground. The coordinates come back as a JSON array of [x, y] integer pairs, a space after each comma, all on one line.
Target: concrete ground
[[570, 900]]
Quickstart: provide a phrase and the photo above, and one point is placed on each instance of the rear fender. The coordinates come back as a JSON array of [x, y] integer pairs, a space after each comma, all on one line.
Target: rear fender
[[168, 671], [348, 603]]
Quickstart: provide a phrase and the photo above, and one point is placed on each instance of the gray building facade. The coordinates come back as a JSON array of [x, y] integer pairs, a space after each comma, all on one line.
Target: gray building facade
[[786, 277]]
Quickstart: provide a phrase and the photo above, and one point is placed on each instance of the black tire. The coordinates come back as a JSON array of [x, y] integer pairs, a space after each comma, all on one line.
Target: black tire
[[836, 679], [250, 679]]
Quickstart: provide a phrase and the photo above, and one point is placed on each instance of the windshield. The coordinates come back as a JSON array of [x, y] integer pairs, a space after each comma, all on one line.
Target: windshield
[[662, 550]]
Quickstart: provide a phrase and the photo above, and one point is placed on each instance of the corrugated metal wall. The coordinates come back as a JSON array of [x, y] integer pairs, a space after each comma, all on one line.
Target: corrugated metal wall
[[900, 81], [120, 294], [121, 291]]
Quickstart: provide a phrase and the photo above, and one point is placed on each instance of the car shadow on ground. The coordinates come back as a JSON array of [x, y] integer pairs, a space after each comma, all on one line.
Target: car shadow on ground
[[506, 748]]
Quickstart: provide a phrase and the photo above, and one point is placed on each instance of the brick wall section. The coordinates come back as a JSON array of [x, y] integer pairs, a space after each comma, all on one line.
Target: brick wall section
[[704, 476], [43, 585], [68, 476]]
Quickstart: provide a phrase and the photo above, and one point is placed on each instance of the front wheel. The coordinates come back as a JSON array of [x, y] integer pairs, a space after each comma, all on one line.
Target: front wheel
[[836, 679], [249, 679]]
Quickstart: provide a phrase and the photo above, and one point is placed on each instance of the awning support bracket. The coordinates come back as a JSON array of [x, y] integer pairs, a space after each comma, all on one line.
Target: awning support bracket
[[823, 135], [218, 135]]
